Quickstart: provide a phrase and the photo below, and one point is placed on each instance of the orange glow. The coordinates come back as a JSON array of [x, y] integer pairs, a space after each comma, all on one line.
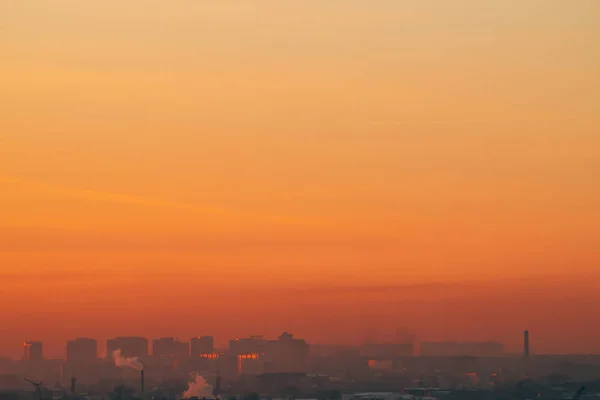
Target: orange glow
[[242, 359], [251, 356], [209, 356], [380, 365], [393, 161]]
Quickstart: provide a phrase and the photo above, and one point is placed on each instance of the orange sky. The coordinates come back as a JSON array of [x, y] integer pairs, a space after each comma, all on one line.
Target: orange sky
[[239, 167]]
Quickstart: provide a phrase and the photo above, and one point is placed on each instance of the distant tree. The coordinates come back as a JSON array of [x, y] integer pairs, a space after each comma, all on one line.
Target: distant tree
[[555, 379], [122, 392], [252, 396], [173, 388], [322, 395], [529, 389], [117, 393], [328, 395], [291, 392], [334, 395], [9, 395]]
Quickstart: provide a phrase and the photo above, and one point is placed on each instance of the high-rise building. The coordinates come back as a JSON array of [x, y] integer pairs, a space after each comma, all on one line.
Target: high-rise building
[[202, 345], [181, 350], [286, 354], [32, 351], [163, 347], [129, 346], [253, 344], [170, 347], [250, 364], [82, 350], [526, 343], [291, 354]]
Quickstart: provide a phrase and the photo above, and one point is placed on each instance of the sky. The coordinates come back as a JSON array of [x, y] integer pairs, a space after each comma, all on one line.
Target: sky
[[336, 169]]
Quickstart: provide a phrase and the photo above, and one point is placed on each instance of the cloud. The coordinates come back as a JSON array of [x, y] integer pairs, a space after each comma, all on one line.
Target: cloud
[[120, 198]]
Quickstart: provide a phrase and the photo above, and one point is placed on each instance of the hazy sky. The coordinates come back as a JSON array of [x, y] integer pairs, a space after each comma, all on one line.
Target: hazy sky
[[188, 167]]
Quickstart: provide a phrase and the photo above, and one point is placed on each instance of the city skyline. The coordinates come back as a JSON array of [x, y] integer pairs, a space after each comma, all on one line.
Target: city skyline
[[334, 168], [462, 315], [88, 349]]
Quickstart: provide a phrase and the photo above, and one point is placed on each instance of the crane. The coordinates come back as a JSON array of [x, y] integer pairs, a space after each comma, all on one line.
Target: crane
[[38, 388], [578, 393]]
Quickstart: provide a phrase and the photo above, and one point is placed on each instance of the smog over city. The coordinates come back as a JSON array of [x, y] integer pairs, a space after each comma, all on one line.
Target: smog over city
[[299, 200]]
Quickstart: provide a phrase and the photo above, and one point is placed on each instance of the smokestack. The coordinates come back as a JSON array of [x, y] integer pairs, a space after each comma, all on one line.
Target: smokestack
[[217, 389], [73, 383], [142, 382], [526, 343]]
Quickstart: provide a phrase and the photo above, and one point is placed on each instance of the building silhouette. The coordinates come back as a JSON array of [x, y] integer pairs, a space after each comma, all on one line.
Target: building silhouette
[[82, 350], [252, 344], [170, 347], [130, 346], [386, 350], [286, 354], [33, 351], [462, 349], [202, 345], [250, 364], [291, 354]]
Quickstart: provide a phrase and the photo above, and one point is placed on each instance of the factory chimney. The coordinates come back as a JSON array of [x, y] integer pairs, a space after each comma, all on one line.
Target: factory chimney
[[217, 388], [142, 381], [73, 383], [526, 343]]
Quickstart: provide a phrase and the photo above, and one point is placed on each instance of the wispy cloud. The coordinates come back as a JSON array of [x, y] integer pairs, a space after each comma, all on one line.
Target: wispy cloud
[[121, 198]]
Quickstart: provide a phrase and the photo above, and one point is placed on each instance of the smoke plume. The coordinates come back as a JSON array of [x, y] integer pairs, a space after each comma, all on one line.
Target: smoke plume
[[131, 362], [198, 388]]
